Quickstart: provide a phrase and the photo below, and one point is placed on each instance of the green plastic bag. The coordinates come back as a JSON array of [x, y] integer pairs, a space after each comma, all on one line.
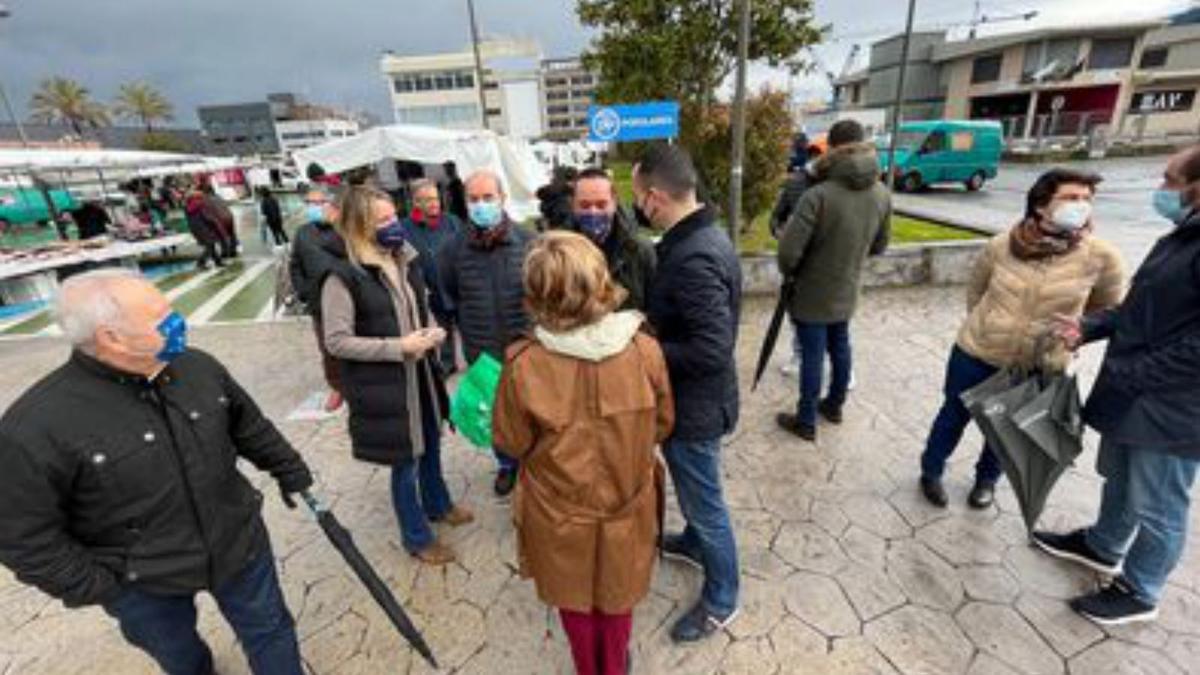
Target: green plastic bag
[[471, 409]]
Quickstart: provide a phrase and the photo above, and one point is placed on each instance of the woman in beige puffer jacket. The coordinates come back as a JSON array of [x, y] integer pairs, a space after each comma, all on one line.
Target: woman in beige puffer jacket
[[1048, 264]]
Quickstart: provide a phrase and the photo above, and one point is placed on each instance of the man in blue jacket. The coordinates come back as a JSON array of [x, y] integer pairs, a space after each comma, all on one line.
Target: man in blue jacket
[[694, 304], [427, 227], [1146, 406]]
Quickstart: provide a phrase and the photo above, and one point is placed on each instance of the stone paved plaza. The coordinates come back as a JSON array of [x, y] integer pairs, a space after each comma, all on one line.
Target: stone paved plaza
[[844, 568]]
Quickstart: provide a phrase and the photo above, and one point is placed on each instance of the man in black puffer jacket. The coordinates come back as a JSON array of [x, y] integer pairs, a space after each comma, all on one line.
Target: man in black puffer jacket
[[482, 286], [121, 489], [1146, 406]]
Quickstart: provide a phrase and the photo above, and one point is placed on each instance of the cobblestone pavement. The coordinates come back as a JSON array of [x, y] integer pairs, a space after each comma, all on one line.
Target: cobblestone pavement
[[844, 568]]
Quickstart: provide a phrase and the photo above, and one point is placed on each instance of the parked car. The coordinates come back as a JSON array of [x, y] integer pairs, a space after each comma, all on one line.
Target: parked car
[[25, 206], [946, 151]]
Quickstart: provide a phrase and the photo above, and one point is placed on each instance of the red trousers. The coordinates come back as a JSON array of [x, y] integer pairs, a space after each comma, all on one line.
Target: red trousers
[[599, 642]]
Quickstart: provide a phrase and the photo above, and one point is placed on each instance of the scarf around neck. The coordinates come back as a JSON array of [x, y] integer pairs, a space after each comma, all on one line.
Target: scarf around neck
[[1029, 241]]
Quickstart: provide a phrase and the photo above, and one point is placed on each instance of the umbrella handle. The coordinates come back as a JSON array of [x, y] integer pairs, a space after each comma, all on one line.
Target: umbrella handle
[[314, 504]]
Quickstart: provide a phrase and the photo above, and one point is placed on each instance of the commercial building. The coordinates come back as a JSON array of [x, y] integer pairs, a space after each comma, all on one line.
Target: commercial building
[[568, 89], [255, 128], [299, 134], [1118, 80], [442, 90]]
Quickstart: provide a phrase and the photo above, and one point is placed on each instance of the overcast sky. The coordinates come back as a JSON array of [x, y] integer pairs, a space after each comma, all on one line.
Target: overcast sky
[[225, 51]]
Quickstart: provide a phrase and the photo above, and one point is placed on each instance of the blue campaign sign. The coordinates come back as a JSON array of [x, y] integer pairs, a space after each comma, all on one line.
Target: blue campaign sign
[[634, 122]]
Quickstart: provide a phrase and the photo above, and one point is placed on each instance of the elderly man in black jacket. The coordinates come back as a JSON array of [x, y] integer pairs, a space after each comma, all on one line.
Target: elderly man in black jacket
[[120, 486], [482, 287], [1146, 406], [694, 304]]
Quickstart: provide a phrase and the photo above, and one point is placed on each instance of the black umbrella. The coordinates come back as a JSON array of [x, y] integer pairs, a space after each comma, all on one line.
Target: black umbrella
[[772, 336], [344, 543], [1033, 425]]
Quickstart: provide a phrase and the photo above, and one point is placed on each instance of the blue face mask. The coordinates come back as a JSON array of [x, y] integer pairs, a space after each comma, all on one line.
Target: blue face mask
[[174, 331], [314, 213], [594, 226], [1169, 205], [486, 215], [391, 235]]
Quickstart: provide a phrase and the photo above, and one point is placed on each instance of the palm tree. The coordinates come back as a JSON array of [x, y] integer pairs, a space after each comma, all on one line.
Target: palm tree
[[65, 101], [141, 101]]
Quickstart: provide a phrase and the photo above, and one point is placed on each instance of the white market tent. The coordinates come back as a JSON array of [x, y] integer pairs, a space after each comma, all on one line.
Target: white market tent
[[514, 161], [115, 165]]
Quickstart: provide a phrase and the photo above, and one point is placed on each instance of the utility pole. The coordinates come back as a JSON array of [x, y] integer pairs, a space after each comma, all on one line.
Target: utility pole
[[739, 123], [483, 114], [4, 14], [898, 107]]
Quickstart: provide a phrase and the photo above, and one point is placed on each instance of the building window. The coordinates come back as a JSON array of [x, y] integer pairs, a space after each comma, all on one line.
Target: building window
[[1154, 58], [1110, 54], [444, 81], [491, 85], [493, 112], [986, 69], [857, 95], [424, 83], [557, 96], [441, 115], [402, 85], [558, 109], [1062, 53], [465, 80]]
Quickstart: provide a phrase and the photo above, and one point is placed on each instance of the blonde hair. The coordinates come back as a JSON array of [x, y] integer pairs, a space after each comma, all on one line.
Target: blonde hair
[[356, 222], [567, 284]]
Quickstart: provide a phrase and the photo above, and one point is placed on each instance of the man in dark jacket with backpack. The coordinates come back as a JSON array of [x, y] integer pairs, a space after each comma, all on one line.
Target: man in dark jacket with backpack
[[1146, 406], [482, 284], [136, 503]]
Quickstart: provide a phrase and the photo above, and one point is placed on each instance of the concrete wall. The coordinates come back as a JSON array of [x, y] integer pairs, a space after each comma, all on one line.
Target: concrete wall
[[908, 265]]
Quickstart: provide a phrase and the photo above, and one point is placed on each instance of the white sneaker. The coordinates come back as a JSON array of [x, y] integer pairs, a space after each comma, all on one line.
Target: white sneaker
[[791, 368]]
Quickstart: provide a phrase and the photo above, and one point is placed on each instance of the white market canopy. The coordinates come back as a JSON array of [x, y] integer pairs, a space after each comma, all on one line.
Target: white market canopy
[[514, 161], [117, 164]]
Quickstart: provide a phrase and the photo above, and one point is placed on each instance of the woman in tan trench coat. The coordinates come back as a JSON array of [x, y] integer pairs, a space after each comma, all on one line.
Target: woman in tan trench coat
[[582, 404]]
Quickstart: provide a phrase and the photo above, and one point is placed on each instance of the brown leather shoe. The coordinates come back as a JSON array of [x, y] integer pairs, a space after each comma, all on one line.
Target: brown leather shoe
[[458, 515], [436, 554]]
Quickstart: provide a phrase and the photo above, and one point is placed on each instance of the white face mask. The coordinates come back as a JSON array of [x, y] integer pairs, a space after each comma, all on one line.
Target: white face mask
[[1071, 216]]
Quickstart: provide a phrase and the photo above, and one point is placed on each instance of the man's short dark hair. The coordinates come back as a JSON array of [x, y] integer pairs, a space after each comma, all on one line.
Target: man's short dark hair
[[593, 173], [1047, 185], [1191, 165], [668, 168], [845, 132]]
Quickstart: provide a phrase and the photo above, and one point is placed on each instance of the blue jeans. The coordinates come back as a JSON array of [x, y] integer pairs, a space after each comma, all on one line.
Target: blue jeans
[[696, 470], [962, 373], [505, 462], [1143, 514], [164, 626], [817, 339], [419, 492]]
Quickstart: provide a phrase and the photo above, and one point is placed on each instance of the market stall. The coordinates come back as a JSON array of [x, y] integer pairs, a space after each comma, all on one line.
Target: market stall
[[519, 170]]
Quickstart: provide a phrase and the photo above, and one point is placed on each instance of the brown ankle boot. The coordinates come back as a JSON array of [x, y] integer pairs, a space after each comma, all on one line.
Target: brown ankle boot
[[459, 515], [436, 554]]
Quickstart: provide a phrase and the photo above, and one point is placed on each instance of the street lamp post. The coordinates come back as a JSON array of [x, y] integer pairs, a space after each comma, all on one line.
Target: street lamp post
[[483, 114], [4, 14], [739, 122], [898, 107]]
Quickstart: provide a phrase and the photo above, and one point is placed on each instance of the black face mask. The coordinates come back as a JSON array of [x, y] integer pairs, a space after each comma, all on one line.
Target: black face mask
[[640, 216]]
